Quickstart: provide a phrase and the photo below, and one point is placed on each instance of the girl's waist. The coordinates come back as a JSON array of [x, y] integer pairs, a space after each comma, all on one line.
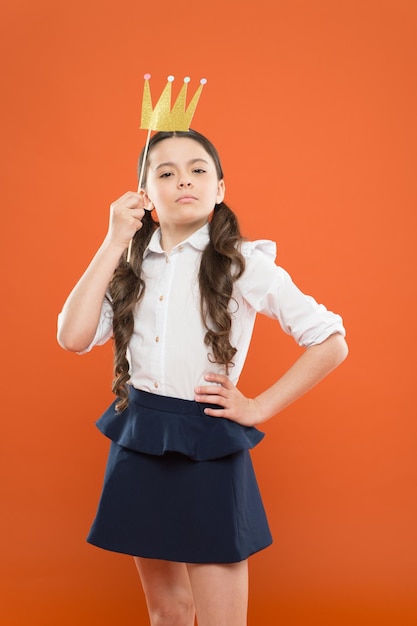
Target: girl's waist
[[155, 424]]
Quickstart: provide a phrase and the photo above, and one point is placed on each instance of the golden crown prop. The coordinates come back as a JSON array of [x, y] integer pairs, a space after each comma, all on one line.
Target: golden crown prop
[[165, 118]]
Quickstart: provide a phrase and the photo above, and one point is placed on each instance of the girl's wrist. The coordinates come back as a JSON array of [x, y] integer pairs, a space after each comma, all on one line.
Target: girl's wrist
[[111, 246], [264, 408], [260, 413]]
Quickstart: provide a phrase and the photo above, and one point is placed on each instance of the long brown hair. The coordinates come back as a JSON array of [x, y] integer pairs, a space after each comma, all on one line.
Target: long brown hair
[[221, 265]]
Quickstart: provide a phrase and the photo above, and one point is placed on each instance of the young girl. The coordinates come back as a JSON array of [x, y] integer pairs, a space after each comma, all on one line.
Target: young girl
[[180, 494]]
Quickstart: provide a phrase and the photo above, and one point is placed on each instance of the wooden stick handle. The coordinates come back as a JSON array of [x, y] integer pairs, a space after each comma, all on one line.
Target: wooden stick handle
[[142, 170]]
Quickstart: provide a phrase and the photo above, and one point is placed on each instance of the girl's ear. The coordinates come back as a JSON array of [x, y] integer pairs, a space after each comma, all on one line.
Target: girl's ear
[[148, 204], [221, 190]]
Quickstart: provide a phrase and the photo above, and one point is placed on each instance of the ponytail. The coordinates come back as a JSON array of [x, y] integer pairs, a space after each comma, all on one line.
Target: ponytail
[[221, 265]]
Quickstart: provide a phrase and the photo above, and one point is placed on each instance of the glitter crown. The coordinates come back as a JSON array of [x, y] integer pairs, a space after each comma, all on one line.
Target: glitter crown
[[162, 117]]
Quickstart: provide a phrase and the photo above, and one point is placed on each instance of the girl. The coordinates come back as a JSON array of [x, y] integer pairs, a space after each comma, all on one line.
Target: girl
[[179, 492]]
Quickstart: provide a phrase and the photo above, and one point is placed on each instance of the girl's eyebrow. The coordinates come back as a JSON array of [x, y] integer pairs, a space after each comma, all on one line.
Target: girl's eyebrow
[[172, 164]]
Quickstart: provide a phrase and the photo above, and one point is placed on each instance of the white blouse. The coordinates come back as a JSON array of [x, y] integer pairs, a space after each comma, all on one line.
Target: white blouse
[[167, 354]]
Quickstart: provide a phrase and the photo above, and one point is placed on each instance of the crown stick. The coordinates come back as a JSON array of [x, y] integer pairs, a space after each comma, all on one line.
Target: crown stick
[[145, 154], [142, 170]]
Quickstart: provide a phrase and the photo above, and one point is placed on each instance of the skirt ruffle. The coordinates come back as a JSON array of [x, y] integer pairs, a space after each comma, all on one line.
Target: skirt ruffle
[[155, 425]]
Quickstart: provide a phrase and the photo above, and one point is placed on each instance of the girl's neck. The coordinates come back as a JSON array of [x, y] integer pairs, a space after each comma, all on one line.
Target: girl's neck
[[171, 236]]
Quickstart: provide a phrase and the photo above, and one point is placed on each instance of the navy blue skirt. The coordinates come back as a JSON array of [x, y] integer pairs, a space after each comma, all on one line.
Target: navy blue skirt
[[179, 485]]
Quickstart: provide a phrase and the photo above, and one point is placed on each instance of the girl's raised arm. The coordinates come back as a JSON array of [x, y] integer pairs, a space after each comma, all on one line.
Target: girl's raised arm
[[81, 312]]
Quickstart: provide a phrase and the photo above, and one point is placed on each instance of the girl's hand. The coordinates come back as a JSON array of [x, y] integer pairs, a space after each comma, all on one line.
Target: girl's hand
[[236, 406], [126, 216]]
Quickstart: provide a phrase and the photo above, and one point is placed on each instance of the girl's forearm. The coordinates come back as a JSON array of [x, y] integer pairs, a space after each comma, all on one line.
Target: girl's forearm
[[81, 312], [316, 362]]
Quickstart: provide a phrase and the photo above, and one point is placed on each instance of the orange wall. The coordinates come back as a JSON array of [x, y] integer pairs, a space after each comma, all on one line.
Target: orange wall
[[312, 104]]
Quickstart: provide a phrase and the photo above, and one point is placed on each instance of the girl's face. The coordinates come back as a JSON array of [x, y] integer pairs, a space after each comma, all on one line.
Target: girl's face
[[182, 183]]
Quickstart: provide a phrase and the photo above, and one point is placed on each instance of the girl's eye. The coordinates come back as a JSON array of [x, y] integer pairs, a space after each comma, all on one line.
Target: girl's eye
[[198, 170], [166, 175]]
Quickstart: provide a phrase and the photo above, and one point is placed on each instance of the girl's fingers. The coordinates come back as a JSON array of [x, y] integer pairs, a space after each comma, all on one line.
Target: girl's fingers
[[220, 379], [213, 394], [137, 214], [211, 390], [206, 399], [126, 215], [221, 387], [131, 200]]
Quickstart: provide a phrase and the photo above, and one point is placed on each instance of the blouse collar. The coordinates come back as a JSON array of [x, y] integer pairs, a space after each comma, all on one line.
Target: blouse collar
[[198, 240]]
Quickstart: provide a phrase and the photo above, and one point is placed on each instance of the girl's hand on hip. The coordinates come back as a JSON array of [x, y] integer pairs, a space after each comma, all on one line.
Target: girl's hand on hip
[[126, 216], [236, 406]]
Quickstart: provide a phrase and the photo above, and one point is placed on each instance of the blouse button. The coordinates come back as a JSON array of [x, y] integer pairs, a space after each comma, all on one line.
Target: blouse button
[[180, 247], [156, 339], [156, 384], [161, 298]]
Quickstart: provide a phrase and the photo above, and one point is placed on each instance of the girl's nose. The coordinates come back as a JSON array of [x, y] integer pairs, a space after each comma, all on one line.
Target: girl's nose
[[184, 183]]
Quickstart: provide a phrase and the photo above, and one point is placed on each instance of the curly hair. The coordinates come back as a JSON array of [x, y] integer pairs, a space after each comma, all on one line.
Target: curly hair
[[221, 265]]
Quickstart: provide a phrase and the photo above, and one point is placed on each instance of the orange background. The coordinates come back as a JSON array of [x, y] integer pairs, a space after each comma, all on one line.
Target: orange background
[[312, 105]]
